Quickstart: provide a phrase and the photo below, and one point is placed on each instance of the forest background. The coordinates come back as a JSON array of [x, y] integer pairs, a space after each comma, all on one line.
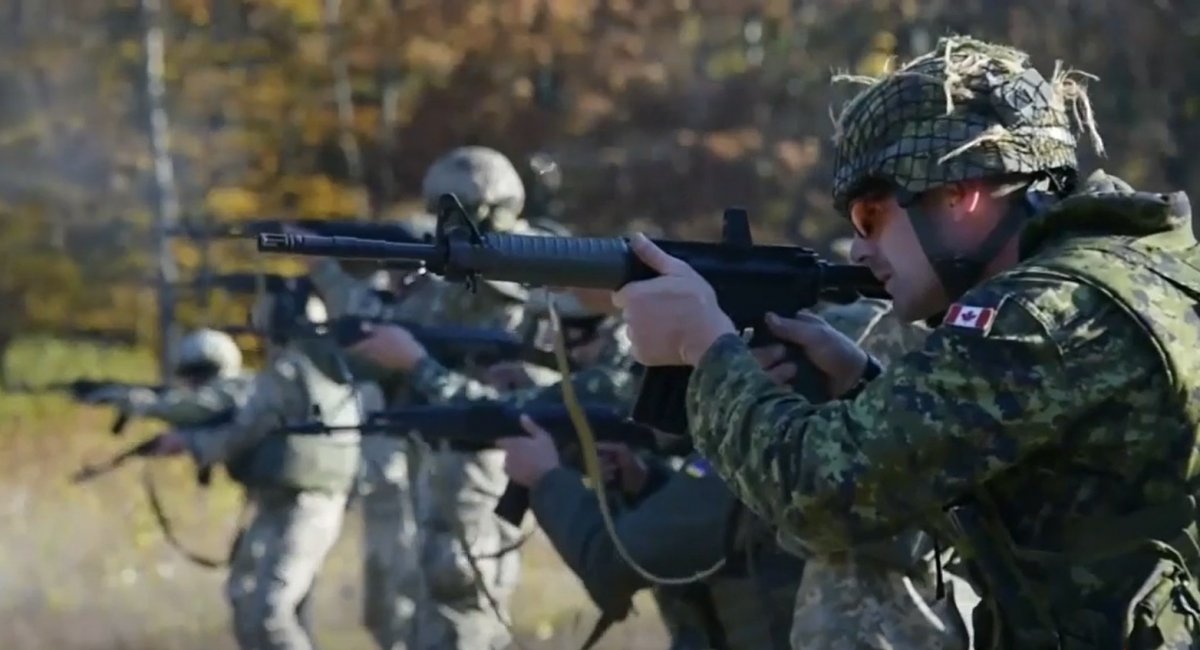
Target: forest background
[[657, 112]]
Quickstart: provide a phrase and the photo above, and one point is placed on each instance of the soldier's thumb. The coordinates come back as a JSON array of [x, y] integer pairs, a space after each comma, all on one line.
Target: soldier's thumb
[[654, 257], [533, 428]]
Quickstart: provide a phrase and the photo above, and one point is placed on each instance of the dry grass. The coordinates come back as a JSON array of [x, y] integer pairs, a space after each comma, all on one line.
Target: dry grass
[[85, 568]]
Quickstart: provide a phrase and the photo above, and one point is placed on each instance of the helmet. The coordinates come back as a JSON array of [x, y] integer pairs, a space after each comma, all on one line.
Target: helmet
[[967, 110], [208, 352], [485, 182], [276, 313]]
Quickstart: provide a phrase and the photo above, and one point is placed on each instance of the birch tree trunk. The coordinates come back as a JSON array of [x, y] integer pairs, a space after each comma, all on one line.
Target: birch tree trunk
[[165, 194]]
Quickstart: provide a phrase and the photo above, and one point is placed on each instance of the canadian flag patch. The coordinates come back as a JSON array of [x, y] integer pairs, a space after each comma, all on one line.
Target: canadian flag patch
[[970, 317]]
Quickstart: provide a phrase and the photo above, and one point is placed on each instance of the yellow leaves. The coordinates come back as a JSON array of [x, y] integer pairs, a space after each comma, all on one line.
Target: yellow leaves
[[130, 50], [319, 196], [435, 57], [304, 13], [316, 125], [232, 203], [269, 89], [879, 59]]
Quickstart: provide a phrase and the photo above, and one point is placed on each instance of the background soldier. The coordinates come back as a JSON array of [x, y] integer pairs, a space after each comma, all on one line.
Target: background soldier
[[299, 484], [598, 343], [490, 189], [1066, 480], [209, 366]]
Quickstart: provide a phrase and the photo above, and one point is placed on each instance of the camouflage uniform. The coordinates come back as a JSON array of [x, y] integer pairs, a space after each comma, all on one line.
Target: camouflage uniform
[[448, 572], [298, 486], [1047, 428], [750, 602], [454, 490], [880, 595]]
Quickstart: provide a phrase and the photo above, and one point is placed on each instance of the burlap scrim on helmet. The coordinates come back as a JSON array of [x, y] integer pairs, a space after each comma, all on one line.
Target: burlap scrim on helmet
[[967, 110]]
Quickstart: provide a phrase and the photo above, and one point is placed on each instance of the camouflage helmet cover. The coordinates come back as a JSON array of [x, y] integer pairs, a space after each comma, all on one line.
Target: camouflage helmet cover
[[483, 179], [212, 348], [967, 110]]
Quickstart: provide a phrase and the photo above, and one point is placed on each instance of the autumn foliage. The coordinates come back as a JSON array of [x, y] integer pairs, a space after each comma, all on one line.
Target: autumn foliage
[[658, 111]]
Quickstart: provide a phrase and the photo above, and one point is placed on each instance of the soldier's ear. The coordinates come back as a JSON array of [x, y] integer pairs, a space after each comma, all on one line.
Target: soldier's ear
[[966, 201]]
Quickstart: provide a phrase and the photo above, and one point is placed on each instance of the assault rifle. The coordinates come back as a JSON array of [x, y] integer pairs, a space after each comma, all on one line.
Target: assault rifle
[[476, 427], [329, 227], [749, 281], [454, 346], [144, 449], [79, 389]]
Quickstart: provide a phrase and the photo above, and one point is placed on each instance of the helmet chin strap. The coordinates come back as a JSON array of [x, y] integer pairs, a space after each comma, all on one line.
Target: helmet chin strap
[[957, 271]]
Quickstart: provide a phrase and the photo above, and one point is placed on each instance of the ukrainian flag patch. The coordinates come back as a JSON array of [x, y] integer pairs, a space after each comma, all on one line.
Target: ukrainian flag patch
[[697, 468]]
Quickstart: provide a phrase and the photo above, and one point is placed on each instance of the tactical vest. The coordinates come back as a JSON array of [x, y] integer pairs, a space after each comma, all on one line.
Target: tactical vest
[[748, 604], [1024, 587], [326, 462]]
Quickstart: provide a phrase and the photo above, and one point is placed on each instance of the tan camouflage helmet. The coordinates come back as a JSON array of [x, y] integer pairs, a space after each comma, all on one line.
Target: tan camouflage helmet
[[485, 182], [209, 347], [967, 110]]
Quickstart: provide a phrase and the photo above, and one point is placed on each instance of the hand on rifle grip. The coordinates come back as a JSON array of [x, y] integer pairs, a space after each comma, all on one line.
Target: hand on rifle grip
[[824, 349]]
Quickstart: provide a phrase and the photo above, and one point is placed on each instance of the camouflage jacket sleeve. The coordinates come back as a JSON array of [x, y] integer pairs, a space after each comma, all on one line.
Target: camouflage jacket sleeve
[[666, 533], [188, 407], [966, 407], [276, 397], [601, 383], [440, 385]]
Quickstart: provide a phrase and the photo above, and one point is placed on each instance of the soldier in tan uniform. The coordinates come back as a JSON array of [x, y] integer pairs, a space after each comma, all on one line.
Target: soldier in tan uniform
[[298, 484], [457, 491], [212, 385]]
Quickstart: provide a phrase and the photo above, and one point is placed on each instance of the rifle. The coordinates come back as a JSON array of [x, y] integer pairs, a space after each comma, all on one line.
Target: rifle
[[329, 227], [146, 448], [452, 345], [78, 389], [750, 281], [477, 426], [140, 450]]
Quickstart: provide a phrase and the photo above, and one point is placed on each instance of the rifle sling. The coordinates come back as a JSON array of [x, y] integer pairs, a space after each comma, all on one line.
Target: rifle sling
[[168, 529]]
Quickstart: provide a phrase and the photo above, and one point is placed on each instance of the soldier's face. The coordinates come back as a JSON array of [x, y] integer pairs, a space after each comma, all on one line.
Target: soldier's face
[[886, 243]]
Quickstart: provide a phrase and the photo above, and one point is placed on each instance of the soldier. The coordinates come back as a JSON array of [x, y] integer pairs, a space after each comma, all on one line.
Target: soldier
[[1047, 429], [209, 366], [748, 602], [490, 189], [597, 343], [298, 484]]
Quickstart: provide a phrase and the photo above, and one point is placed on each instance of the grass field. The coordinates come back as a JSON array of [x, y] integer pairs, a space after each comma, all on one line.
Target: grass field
[[86, 568]]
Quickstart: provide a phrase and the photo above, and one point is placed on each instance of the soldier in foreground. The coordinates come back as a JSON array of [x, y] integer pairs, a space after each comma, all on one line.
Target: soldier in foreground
[[1064, 478], [460, 500], [298, 484]]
